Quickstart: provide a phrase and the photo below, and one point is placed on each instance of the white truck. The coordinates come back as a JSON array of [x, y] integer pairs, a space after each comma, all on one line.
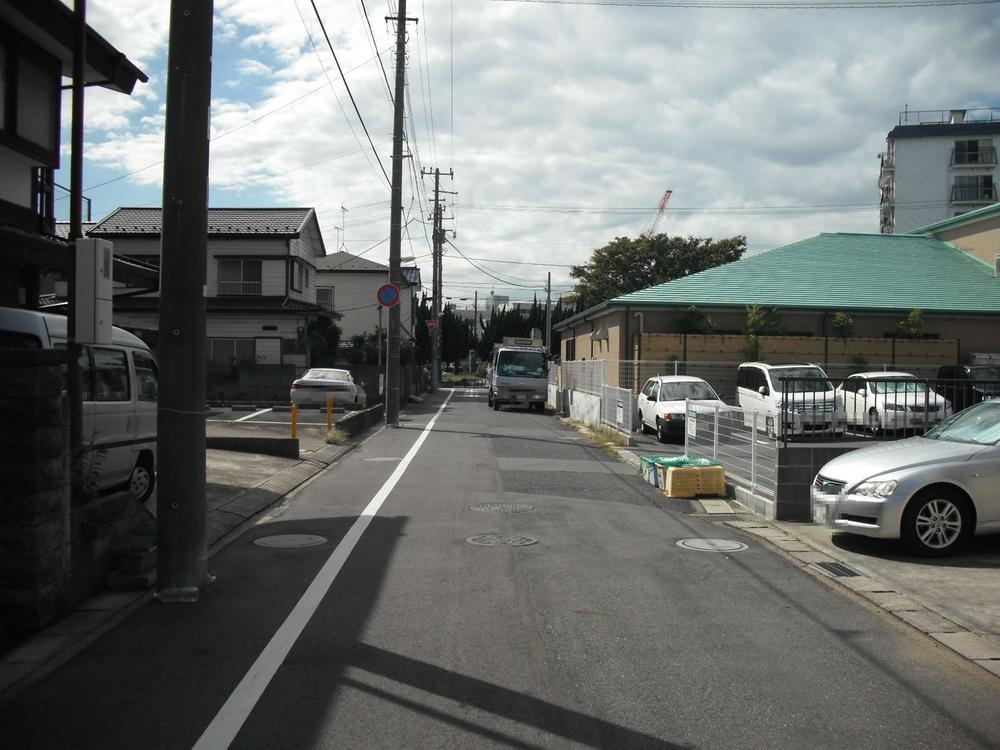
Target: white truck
[[519, 371]]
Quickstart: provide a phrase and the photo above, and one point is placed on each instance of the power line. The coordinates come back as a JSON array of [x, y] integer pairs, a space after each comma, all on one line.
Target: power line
[[761, 4], [695, 210], [385, 75], [488, 273], [357, 111]]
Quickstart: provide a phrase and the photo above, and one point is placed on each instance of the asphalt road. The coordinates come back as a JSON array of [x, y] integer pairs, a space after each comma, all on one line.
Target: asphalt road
[[605, 633]]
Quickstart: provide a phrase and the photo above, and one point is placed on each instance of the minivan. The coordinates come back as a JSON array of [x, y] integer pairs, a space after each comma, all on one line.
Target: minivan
[[965, 385], [801, 394], [119, 390]]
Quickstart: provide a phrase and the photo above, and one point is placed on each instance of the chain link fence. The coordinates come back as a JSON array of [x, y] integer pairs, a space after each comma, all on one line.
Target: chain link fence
[[739, 441], [584, 376], [617, 408]]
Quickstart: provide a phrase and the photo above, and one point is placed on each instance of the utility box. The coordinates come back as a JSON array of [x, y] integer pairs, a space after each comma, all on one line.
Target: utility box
[[92, 301]]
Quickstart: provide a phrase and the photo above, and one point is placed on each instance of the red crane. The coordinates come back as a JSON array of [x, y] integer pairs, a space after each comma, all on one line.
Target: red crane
[[661, 209]]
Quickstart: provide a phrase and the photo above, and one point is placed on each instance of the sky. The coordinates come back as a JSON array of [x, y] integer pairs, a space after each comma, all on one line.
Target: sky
[[559, 125]]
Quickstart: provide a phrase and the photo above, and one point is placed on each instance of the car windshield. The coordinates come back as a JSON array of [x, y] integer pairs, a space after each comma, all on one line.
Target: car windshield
[[984, 373], [801, 380], [897, 386], [521, 364], [681, 391], [327, 375], [979, 424]]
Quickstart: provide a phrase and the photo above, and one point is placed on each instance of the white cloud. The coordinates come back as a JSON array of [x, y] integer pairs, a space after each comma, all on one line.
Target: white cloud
[[573, 106]]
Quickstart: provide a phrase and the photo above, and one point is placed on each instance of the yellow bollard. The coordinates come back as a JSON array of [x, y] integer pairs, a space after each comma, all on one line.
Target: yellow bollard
[[295, 420], [329, 413]]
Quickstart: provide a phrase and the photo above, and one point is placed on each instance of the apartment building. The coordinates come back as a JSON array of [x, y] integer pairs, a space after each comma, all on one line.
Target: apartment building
[[938, 164]]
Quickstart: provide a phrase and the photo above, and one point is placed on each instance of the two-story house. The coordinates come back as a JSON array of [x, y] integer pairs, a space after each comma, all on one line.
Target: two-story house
[[260, 280], [36, 52]]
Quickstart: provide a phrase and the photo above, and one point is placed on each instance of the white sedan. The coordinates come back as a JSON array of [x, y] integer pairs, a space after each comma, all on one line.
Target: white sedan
[[661, 402], [318, 383], [892, 401]]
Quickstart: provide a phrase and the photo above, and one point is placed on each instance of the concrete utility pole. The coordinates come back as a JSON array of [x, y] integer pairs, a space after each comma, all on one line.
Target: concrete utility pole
[[548, 314], [437, 237], [180, 506], [74, 386], [392, 373], [475, 315]]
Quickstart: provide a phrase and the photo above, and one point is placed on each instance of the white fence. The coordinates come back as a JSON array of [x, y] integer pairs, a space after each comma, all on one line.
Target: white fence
[[617, 408], [739, 441], [584, 376]]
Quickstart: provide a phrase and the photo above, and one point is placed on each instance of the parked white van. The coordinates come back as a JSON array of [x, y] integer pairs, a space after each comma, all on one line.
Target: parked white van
[[119, 384], [802, 395]]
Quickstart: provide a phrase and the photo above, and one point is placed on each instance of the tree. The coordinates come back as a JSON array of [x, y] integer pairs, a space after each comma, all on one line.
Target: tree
[[693, 320], [628, 265], [324, 339], [912, 325], [843, 325], [760, 322]]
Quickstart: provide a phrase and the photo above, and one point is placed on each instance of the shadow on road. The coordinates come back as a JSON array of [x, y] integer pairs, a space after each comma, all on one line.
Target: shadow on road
[[981, 551]]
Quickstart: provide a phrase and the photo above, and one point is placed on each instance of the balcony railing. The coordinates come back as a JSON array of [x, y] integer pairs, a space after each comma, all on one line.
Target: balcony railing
[[973, 194], [982, 157], [239, 288]]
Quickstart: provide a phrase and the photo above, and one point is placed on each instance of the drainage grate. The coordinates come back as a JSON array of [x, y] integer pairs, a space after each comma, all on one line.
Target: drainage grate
[[727, 516], [283, 541], [501, 540], [838, 570], [712, 545], [502, 508]]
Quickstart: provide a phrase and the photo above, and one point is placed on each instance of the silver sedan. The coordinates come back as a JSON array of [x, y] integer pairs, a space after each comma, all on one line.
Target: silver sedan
[[933, 492], [318, 383]]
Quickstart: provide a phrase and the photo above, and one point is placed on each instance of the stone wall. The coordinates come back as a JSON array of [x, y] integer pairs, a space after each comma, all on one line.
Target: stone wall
[[35, 512]]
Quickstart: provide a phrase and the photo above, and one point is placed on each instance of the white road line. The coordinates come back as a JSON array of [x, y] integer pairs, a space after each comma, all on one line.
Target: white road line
[[251, 416], [231, 717]]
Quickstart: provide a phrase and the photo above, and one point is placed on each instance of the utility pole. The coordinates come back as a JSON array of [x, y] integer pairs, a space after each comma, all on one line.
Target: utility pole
[[395, 222], [475, 315], [437, 237], [182, 548], [548, 314]]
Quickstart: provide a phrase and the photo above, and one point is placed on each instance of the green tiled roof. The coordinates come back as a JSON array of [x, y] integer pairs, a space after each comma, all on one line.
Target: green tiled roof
[[871, 272]]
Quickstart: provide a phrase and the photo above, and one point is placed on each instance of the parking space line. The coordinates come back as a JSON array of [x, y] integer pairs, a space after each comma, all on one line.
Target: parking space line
[[223, 729], [251, 416]]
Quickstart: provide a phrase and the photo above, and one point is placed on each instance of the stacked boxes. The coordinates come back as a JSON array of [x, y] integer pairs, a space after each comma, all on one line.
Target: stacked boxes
[[690, 481]]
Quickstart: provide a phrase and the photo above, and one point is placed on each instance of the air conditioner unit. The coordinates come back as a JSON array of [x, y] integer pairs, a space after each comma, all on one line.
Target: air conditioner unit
[[92, 300]]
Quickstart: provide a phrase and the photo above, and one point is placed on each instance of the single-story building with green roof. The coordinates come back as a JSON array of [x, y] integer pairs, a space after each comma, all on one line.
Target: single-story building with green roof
[[876, 279]]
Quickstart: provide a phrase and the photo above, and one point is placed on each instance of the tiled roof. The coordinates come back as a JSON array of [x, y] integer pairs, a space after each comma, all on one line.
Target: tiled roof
[[62, 228], [283, 222], [851, 272], [341, 261]]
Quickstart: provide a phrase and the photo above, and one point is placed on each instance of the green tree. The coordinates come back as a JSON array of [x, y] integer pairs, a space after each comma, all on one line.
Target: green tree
[[693, 320], [324, 339], [842, 325], [628, 265], [912, 325], [763, 322]]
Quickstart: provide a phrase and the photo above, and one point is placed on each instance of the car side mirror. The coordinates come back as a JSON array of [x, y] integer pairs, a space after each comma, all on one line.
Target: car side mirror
[[762, 390]]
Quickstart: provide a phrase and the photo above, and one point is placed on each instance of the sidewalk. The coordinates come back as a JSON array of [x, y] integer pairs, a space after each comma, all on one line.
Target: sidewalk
[[955, 601], [239, 487]]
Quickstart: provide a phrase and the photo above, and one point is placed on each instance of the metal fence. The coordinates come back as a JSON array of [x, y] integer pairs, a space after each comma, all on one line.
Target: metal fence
[[584, 376], [738, 440], [617, 408]]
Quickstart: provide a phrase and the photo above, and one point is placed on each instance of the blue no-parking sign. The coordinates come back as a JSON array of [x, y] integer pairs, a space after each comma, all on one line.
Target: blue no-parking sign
[[388, 295]]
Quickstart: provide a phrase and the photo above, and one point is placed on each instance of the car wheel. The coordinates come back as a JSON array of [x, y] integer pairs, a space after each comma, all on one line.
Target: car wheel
[[643, 427], [937, 522], [143, 479], [661, 433], [874, 421]]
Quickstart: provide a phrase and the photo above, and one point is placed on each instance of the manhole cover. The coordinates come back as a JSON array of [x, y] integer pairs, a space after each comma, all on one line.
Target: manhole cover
[[712, 545], [501, 540], [290, 540], [383, 458], [502, 508]]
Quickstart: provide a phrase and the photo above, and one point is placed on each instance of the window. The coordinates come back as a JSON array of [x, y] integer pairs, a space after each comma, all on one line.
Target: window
[[324, 297], [979, 151], [974, 188], [298, 276], [145, 376], [226, 353], [239, 277], [110, 375]]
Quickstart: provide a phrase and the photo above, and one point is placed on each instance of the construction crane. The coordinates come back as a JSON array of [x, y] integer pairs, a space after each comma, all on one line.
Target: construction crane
[[655, 221]]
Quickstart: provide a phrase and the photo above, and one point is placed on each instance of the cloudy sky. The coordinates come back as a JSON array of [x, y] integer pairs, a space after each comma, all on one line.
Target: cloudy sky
[[564, 123]]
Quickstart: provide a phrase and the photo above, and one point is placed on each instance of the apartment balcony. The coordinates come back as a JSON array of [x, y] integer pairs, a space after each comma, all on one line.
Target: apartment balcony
[[984, 157], [985, 194], [239, 288]]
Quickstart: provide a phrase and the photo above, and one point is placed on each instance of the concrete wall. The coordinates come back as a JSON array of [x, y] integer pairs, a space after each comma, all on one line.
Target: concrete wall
[[798, 464], [586, 407]]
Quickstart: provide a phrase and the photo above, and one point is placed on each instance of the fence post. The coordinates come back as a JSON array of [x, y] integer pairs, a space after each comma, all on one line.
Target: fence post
[[753, 454], [687, 416], [295, 420], [715, 433], [329, 413], [675, 367]]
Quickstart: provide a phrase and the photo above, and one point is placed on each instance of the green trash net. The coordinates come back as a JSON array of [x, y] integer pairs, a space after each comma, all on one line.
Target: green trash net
[[684, 460]]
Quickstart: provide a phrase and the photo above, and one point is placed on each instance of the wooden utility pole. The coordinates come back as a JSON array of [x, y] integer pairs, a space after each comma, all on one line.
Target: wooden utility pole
[[181, 507]]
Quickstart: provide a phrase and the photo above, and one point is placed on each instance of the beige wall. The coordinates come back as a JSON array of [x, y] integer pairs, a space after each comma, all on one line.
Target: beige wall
[[981, 239]]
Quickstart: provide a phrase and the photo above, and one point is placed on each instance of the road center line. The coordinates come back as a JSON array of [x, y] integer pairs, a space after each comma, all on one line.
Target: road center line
[[251, 416], [224, 727]]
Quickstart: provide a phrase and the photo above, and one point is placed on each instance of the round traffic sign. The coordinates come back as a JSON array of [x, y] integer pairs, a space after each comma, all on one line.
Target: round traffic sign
[[388, 295]]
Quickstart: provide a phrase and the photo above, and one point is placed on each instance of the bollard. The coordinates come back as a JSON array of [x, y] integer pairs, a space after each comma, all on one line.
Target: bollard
[[329, 413], [295, 420], [753, 454]]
